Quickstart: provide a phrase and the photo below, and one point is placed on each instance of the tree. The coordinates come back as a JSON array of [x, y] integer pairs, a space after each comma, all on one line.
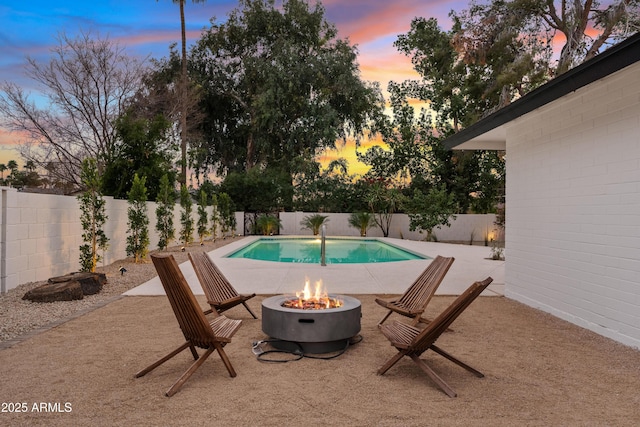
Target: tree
[[85, 87], [459, 92], [227, 216], [259, 189], [92, 216], [26, 178], [431, 210], [586, 26], [406, 136], [164, 212], [215, 216], [186, 232], [383, 201], [458, 89], [138, 221], [278, 84], [328, 190], [184, 83], [203, 216], [13, 167], [141, 147]]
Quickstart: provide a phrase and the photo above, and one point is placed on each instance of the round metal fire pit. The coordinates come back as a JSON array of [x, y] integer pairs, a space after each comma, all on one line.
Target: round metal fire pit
[[315, 331]]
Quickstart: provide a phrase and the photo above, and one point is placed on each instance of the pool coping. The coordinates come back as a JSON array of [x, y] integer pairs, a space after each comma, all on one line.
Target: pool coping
[[270, 278]]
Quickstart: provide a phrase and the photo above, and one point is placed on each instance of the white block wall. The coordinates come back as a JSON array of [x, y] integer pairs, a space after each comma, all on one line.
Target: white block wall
[[40, 234], [461, 230], [573, 207]]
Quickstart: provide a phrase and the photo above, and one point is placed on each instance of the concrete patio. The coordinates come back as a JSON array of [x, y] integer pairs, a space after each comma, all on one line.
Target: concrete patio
[[471, 264]]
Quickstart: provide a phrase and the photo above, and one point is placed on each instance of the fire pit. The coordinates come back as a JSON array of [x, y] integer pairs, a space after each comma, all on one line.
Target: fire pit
[[317, 324]]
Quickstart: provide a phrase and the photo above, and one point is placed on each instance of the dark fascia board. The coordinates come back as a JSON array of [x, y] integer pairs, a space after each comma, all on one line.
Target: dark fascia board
[[608, 62]]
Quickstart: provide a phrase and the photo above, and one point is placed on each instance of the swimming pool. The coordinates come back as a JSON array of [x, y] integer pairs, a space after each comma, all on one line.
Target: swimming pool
[[337, 251]]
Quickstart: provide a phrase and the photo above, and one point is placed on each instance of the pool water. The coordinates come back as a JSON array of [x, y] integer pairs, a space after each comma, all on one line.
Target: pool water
[[337, 251]]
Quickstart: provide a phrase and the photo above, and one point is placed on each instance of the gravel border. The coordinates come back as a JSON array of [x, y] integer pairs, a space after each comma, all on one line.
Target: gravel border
[[21, 319]]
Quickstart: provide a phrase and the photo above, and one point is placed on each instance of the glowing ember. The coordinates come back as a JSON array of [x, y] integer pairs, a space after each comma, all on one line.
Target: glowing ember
[[306, 301]]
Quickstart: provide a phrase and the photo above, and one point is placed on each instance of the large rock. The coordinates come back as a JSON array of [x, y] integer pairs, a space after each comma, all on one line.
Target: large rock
[[71, 287], [91, 282], [64, 291]]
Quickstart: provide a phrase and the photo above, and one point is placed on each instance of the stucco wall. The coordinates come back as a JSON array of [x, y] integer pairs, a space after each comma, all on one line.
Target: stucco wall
[[573, 207]]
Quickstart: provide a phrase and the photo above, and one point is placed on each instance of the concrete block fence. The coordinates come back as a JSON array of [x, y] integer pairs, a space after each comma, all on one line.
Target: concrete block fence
[[464, 229], [40, 234]]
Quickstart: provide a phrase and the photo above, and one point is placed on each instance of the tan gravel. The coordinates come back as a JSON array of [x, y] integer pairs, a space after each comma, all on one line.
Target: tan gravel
[[19, 317], [539, 371]]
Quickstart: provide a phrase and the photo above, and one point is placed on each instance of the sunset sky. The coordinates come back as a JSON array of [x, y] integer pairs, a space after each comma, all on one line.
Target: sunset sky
[[148, 27]]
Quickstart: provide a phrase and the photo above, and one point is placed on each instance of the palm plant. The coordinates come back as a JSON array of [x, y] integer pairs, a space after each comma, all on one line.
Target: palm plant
[[362, 221], [314, 222], [268, 224]]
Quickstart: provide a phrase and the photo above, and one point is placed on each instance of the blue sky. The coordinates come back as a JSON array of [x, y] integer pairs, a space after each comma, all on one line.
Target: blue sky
[[148, 27]]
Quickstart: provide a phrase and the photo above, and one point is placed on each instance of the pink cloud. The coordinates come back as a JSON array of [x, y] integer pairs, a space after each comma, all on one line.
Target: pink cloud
[[364, 21]]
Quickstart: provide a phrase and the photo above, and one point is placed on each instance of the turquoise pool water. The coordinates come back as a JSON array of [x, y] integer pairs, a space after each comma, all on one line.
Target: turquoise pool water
[[337, 251]]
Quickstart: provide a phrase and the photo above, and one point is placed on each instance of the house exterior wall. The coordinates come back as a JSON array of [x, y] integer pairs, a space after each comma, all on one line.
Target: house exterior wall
[[573, 207]]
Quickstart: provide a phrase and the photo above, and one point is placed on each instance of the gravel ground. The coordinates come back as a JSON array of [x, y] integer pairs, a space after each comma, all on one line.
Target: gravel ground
[[19, 317]]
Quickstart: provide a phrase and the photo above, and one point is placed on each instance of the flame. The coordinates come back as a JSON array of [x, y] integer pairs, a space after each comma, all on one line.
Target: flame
[[318, 300]]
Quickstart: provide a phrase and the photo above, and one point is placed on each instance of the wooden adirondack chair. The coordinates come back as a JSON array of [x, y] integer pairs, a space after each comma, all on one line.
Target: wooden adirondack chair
[[412, 342], [414, 301], [197, 329], [221, 295]]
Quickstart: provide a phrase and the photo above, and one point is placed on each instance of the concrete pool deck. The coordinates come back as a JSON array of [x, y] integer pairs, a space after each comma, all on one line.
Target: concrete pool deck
[[471, 264]]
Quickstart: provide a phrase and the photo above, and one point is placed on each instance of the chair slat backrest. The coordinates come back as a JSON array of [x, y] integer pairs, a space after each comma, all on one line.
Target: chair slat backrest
[[214, 284], [433, 330], [418, 295], [192, 321]]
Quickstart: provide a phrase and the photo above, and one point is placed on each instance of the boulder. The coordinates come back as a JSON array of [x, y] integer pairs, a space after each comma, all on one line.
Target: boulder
[[70, 287], [91, 282], [50, 292]]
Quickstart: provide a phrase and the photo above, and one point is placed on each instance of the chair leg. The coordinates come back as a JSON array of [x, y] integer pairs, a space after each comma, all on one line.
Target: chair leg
[[251, 312], [184, 377], [194, 352], [456, 361], [390, 363], [385, 317], [164, 359], [225, 359], [435, 377]]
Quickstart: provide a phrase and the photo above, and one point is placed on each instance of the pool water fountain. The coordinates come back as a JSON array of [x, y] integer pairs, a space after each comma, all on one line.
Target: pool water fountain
[[323, 247]]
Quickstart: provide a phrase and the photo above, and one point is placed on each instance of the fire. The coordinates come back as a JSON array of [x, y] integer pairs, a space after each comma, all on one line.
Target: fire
[[305, 300]]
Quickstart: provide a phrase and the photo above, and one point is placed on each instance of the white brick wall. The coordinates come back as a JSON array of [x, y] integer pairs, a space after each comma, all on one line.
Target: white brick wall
[[573, 207]]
